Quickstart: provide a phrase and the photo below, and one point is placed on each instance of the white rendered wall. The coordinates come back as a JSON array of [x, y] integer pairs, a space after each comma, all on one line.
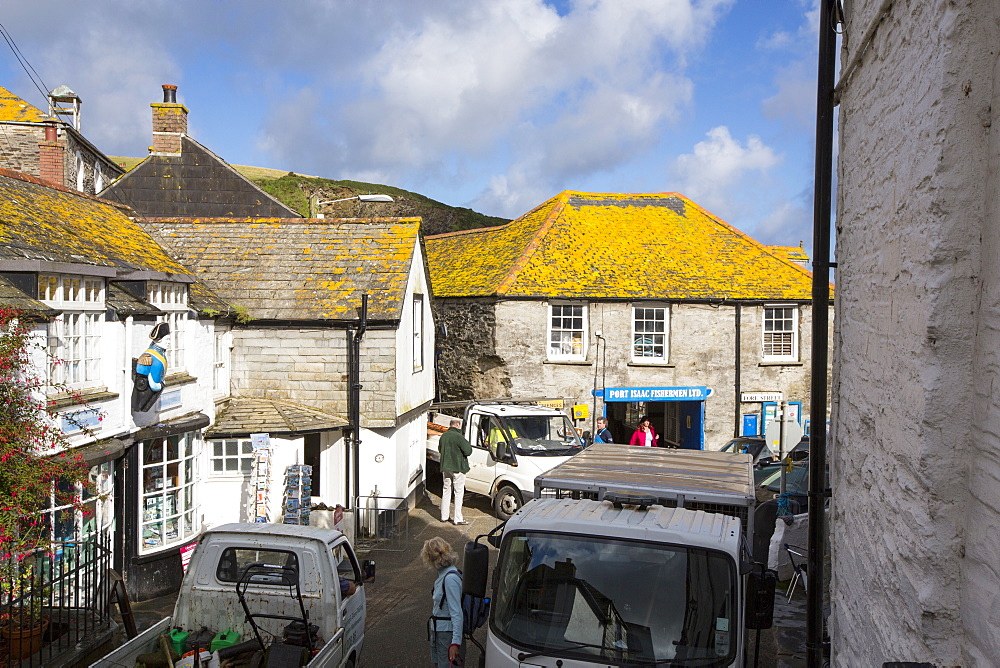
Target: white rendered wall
[[915, 438]]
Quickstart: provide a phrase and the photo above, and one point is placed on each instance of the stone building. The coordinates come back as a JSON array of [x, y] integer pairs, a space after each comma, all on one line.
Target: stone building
[[629, 304], [915, 435], [297, 285], [50, 144]]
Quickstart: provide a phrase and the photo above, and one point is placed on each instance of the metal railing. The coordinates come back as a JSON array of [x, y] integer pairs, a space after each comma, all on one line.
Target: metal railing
[[382, 523], [54, 602]]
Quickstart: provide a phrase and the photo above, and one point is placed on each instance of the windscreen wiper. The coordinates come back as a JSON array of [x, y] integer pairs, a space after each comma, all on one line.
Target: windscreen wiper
[[577, 645]]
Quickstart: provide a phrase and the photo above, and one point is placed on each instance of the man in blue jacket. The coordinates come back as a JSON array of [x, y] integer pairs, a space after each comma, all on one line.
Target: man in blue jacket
[[454, 449]]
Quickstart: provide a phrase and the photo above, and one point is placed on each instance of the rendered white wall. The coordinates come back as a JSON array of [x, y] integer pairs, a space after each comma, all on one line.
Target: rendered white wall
[[915, 435]]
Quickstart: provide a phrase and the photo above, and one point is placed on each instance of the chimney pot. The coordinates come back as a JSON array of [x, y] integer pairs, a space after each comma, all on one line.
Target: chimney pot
[[50, 133], [169, 94]]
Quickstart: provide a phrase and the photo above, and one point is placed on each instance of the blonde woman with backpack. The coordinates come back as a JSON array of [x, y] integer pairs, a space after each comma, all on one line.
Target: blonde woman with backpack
[[444, 628]]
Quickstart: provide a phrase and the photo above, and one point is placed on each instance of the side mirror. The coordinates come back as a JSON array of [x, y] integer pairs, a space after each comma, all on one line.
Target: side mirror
[[760, 598], [501, 451]]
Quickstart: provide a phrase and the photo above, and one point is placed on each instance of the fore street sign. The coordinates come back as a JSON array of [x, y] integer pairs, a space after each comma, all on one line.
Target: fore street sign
[[758, 397]]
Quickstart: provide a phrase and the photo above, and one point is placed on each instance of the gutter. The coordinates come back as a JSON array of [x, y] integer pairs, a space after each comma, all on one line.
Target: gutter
[[830, 13]]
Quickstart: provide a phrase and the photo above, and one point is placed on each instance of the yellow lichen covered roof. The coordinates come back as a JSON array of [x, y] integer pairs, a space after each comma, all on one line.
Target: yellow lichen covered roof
[[14, 109], [295, 268], [46, 223], [613, 246]]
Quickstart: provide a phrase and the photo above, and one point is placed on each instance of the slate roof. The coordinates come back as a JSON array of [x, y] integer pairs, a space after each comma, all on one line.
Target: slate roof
[[13, 298], [47, 223], [15, 110], [613, 246], [126, 304], [194, 183], [298, 269], [242, 416]]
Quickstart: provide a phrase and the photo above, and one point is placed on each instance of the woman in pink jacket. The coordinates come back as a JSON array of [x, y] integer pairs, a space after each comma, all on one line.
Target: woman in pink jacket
[[645, 434]]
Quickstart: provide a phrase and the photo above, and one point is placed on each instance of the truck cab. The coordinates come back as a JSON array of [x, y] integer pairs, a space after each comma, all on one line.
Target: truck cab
[[583, 582], [512, 443]]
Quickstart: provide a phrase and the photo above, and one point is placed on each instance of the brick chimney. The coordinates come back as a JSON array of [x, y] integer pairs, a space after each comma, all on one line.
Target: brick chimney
[[170, 122], [51, 156]]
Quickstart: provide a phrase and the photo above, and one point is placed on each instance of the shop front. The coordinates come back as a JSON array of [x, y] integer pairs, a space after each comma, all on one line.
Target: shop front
[[160, 487], [676, 413]]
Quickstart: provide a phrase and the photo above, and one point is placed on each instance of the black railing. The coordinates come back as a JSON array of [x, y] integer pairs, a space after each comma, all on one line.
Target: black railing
[[54, 602]]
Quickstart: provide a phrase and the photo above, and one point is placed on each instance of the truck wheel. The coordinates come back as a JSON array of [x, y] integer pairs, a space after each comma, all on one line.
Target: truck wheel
[[506, 502]]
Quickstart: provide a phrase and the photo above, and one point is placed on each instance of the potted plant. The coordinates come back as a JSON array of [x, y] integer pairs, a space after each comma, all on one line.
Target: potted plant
[[25, 624]]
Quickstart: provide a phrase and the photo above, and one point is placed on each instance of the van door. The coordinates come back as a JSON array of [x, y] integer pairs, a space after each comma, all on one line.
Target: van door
[[353, 607], [482, 465]]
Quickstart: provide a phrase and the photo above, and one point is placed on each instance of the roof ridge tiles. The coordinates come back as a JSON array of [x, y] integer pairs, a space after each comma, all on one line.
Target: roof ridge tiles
[[557, 209]]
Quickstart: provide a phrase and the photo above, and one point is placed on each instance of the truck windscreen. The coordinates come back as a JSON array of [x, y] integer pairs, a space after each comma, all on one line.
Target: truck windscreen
[[535, 435], [614, 601]]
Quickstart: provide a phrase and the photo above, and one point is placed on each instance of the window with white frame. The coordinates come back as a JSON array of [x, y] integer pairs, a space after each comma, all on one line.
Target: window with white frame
[[168, 510], [567, 331], [781, 333], [418, 332], [650, 334], [172, 298], [74, 336], [98, 178], [231, 457], [80, 173], [75, 512]]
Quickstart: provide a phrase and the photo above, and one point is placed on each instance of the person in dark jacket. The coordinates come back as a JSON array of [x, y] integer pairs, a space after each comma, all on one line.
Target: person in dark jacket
[[603, 434], [455, 450]]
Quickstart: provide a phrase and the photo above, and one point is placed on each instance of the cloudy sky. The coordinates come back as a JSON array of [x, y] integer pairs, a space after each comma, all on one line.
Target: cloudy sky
[[492, 104]]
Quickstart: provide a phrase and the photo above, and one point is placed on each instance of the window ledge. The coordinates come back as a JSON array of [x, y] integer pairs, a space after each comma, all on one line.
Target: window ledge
[[789, 363], [89, 395], [568, 362], [180, 378], [656, 365]]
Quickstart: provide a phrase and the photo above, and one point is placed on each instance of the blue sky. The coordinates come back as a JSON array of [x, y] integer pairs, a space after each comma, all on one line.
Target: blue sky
[[492, 104]]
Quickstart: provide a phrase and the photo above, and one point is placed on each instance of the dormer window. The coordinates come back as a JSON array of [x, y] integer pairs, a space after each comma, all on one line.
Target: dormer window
[[172, 298], [74, 336]]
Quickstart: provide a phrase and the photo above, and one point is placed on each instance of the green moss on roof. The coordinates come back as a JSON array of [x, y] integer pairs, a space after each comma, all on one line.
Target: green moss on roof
[[613, 246]]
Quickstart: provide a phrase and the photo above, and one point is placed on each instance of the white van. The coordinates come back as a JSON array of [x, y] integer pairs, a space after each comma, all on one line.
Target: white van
[[512, 442]]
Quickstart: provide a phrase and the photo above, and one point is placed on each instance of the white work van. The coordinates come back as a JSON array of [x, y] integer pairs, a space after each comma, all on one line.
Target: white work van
[[512, 443], [260, 581], [629, 556]]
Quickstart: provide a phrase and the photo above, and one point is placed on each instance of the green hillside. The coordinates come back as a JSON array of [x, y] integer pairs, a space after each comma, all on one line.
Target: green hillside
[[295, 191]]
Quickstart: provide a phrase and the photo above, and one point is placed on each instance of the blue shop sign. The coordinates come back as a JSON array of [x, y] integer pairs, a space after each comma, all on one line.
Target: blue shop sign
[[695, 393]]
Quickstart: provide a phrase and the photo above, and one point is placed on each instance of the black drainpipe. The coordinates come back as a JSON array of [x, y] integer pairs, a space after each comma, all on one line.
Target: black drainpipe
[[353, 440], [820, 332], [738, 365]]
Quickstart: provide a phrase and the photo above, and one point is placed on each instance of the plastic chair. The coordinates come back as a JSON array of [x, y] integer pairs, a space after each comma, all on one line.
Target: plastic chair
[[794, 551]]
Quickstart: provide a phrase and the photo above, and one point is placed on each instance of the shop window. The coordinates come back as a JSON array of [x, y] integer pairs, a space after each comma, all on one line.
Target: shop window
[[650, 331], [781, 333], [169, 476], [231, 457], [567, 331], [74, 336], [172, 298]]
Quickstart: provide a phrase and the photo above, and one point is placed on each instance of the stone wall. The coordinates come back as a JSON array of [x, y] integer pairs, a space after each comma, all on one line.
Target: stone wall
[[494, 350], [914, 465], [309, 365], [468, 366], [19, 151]]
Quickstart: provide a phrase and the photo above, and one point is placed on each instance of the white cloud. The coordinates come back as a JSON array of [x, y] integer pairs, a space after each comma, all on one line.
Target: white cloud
[[714, 173]]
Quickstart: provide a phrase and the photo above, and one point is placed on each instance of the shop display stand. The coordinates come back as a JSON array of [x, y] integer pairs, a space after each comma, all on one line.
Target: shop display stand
[[259, 481], [298, 494]]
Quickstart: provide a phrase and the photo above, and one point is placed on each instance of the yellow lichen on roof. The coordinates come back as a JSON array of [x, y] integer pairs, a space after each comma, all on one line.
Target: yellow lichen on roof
[[39, 222], [587, 245], [14, 109]]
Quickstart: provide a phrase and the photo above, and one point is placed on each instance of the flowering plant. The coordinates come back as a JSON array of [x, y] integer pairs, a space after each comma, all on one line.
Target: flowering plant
[[34, 462]]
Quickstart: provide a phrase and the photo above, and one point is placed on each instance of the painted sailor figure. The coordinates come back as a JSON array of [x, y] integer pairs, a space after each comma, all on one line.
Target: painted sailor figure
[[148, 371]]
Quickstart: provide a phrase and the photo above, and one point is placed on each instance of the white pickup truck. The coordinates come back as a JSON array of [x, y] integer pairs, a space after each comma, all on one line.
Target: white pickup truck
[[274, 572], [512, 442]]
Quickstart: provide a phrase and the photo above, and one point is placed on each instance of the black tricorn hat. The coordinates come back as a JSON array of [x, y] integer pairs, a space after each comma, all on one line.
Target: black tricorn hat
[[160, 330]]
